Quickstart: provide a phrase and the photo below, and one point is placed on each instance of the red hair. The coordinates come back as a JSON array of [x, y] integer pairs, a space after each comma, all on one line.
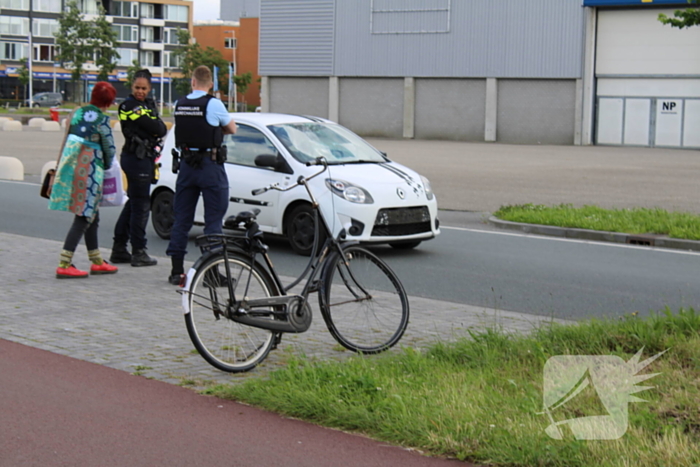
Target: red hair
[[103, 94]]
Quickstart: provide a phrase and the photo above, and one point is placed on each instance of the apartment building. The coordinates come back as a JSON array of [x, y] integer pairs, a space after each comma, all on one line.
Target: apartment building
[[238, 43], [146, 31]]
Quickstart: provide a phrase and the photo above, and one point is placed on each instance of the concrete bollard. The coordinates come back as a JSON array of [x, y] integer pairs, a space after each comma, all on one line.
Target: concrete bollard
[[36, 122], [12, 125], [46, 167], [5, 119], [50, 126], [11, 168], [168, 125], [115, 124]]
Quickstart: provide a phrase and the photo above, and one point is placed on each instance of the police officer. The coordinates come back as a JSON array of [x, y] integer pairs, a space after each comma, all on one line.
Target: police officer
[[200, 123], [142, 129]]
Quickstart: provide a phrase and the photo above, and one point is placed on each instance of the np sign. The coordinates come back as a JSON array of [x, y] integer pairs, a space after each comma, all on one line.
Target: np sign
[[669, 107]]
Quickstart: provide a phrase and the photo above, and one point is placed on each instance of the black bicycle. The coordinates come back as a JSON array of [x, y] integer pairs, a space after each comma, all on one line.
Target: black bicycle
[[236, 307]]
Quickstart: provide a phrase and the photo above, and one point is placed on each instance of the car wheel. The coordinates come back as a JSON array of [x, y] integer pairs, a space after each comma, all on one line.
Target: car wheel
[[300, 229], [405, 245], [162, 216], [35, 105]]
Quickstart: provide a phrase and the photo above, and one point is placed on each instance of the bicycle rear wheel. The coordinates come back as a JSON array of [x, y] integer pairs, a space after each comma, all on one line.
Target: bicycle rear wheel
[[224, 343], [363, 302]]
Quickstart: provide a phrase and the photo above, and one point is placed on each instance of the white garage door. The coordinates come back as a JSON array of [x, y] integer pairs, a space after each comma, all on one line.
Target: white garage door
[[648, 85]]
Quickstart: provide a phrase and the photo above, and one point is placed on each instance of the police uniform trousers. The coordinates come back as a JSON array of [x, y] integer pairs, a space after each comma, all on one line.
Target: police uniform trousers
[[132, 222], [210, 180]]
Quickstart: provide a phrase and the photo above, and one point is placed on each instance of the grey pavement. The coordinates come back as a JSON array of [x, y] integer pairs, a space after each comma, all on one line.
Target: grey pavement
[[481, 177], [133, 320]]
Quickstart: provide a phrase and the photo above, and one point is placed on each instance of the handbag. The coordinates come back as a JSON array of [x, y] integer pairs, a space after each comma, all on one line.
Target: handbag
[[49, 178], [113, 186]]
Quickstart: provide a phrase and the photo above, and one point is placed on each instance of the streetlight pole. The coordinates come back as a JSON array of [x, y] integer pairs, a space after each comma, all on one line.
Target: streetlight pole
[[232, 92]]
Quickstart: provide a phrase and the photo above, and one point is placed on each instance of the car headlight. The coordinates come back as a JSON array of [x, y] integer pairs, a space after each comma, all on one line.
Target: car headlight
[[349, 192], [428, 189]]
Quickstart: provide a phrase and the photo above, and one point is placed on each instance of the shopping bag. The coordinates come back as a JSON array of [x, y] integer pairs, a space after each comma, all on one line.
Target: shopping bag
[[113, 193]]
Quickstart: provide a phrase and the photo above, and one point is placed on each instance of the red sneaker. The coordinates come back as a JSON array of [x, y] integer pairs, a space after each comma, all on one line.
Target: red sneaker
[[70, 272], [104, 268]]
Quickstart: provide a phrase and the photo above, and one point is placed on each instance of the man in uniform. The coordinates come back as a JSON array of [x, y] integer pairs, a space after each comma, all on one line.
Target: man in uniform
[[200, 123]]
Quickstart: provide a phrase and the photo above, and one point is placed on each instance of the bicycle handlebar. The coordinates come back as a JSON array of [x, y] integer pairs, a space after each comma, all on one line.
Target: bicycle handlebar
[[302, 180]]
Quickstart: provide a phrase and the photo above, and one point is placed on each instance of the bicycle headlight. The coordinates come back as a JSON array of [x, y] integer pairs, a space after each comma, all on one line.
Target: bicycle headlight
[[349, 192], [428, 189]]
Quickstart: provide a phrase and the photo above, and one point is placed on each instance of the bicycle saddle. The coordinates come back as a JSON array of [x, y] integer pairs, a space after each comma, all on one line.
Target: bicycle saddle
[[243, 217]]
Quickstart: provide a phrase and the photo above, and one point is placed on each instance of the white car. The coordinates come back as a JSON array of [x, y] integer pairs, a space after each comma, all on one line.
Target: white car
[[373, 199]]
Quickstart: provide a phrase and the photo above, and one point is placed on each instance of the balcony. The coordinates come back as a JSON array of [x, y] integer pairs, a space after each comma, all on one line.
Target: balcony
[[90, 17], [145, 45], [159, 23]]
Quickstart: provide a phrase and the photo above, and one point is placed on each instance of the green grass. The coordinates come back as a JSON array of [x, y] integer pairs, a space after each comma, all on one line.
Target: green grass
[[632, 221], [478, 398]]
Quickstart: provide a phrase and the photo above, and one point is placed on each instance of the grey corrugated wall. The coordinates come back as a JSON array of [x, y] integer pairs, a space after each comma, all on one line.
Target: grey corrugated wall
[[485, 38], [296, 37]]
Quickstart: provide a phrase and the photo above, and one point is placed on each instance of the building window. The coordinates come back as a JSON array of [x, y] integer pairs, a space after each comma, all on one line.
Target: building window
[[151, 34], [147, 10], [126, 33], [89, 7], [124, 9], [15, 4], [44, 27], [415, 17], [51, 6], [170, 60], [13, 50], [127, 56], [150, 58], [14, 25], [230, 43], [176, 13], [45, 53], [171, 36]]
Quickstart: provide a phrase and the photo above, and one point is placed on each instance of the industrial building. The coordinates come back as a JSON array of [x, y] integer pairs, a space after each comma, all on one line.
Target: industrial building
[[147, 32], [512, 71]]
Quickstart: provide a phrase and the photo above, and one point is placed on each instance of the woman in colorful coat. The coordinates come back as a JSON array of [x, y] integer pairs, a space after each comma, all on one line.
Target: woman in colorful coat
[[89, 150]]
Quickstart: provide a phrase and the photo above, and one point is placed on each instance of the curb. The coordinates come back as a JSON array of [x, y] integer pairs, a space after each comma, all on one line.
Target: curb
[[656, 241]]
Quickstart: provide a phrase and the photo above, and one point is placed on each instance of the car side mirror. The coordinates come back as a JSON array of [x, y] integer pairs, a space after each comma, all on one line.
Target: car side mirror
[[274, 161]]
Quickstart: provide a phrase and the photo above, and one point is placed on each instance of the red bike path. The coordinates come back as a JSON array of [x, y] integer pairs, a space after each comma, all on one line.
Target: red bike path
[[59, 411]]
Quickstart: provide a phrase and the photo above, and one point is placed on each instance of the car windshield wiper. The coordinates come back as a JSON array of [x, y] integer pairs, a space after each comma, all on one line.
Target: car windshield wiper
[[361, 161]]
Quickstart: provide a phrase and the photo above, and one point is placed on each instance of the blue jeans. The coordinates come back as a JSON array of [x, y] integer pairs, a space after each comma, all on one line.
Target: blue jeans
[[211, 182]]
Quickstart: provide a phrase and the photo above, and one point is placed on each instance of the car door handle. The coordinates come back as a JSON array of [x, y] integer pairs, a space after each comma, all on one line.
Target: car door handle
[[254, 202]]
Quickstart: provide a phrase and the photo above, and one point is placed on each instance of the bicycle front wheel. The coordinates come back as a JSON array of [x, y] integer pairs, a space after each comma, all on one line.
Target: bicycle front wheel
[[363, 302], [224, 343]]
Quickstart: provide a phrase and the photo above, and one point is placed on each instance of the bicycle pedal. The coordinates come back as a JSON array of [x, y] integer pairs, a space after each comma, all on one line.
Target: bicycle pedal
[[276, 340]]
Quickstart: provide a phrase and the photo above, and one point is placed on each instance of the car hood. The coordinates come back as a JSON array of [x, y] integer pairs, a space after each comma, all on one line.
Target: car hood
[[388, 176]]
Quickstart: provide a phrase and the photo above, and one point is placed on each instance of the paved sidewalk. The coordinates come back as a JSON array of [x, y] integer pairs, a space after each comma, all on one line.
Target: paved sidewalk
[[133, 321]]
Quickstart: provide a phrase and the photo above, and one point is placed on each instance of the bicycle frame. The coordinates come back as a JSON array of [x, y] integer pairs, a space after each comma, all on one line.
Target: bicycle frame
[[251, 245]]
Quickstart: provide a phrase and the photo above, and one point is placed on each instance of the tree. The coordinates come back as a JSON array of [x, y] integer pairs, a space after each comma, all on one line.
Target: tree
[[683, 18], [80, 42], [242, 82], [191, 55], [23, 77], [105, 39]]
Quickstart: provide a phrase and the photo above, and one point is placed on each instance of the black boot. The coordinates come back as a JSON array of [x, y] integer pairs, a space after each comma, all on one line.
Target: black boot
[[120, 254], [177, 271], [141, 258]]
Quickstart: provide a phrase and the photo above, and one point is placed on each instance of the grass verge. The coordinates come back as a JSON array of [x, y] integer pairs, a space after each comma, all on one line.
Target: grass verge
[[478, 398], [631, 221]]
